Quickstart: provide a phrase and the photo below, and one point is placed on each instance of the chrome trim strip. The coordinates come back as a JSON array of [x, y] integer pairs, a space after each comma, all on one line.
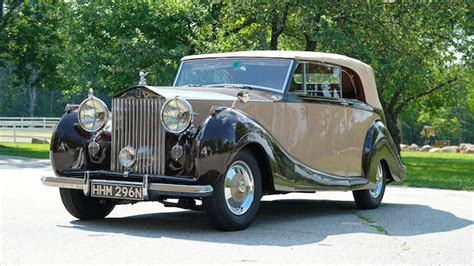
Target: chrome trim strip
[[113, 143], [177, 74], [160, 188], [63, 182], [145, 187], [85, 186], [181, 188], [105, 181], [291, 69]]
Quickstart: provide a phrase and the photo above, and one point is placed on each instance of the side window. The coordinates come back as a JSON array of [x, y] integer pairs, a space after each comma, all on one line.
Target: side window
[[323, 80], [316, 79], [352, 85]]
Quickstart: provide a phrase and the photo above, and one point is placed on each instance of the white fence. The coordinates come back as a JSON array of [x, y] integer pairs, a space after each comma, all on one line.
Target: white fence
[[23, 129]]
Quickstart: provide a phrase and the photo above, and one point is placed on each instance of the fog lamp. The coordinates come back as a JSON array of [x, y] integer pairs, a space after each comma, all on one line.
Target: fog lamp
[[93, 148], [127, 157]]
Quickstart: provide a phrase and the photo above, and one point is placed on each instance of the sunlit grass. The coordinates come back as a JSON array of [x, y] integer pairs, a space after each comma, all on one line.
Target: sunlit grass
[[439, 170], [25, 150]]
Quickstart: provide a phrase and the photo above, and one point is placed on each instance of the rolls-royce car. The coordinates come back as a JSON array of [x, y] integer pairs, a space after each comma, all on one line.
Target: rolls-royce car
[[232, 128]]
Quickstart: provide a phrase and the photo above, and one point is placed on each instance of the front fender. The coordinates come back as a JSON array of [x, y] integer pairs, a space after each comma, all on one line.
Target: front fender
[[221, 138], [69, 146]]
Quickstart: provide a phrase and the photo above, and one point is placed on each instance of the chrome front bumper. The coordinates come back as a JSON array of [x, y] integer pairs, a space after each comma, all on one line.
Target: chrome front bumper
[[160, 189]]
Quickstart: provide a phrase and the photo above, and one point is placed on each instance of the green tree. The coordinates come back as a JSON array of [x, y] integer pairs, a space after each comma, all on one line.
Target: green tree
[[416, 49], [109, 42], [31, 47]]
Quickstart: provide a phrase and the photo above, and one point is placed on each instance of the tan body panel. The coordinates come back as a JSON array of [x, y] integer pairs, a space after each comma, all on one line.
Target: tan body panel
[[266, 113], [325, 136]]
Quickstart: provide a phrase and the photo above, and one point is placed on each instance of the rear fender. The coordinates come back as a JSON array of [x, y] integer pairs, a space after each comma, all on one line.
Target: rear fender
[[379, 146]]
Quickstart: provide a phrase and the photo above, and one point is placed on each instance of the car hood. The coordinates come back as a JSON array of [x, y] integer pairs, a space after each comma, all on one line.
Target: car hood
[[198, 93]]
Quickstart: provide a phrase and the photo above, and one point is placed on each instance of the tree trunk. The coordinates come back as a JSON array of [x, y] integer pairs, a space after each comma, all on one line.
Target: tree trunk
[[276, 31], [278, 23], [274, 40], [30, 93], [393, 128], [310, 45]]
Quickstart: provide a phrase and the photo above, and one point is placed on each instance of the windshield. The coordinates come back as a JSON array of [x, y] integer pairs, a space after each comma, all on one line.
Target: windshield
[[262, 73]]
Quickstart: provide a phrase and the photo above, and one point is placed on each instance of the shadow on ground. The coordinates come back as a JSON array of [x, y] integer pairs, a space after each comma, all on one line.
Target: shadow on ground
[[286, 223], [14, 162]]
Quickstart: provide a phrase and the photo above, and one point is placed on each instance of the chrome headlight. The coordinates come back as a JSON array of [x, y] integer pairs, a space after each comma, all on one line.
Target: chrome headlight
[[93, 114], [176, 115]]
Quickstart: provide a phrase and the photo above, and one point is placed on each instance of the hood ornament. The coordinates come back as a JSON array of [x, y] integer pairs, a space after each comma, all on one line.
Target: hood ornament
[[143, 74], [90, 93]]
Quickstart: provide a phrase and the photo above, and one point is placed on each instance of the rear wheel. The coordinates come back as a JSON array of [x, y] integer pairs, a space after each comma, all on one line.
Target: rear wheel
[[371, 198], [236, 197], [82, 207]]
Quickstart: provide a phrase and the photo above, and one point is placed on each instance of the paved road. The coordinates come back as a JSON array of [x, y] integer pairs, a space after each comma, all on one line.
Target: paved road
[[412, 226]]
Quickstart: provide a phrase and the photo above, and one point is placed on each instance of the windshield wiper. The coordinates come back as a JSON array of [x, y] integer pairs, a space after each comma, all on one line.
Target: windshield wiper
[[236, 86], [193, 85]]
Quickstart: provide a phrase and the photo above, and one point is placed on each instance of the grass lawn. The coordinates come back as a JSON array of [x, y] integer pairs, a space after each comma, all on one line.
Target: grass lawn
[[25, 150], [439, 170]]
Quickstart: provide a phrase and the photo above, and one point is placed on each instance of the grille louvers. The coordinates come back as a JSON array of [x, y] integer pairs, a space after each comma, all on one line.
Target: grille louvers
[[136, 122]]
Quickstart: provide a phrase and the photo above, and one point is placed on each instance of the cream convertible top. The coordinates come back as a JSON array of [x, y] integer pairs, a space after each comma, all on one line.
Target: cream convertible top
[[364, 71]]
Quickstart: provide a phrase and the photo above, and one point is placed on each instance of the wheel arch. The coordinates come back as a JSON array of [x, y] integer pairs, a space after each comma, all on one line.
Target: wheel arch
[[380, 147], [265, 169], [223, 135]]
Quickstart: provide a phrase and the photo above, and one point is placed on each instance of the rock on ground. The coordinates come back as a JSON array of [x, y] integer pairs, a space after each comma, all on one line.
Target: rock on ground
[[426, 148], [39, 141], [452, 149], [463, 147], [413, 147], [403, 147], [469, 150]]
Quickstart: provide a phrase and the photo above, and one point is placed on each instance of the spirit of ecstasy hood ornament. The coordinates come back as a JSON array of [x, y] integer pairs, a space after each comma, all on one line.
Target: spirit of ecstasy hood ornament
[[143, 74]]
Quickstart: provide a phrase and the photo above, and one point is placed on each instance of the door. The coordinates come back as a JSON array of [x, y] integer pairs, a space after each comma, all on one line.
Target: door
[[315, 118]]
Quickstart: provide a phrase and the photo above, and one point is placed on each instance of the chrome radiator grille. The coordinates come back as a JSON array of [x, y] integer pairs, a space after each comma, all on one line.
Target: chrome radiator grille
[[136, 123]]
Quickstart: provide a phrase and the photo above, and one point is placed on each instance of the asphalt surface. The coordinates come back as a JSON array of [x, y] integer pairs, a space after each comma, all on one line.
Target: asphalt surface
[[411, 226]]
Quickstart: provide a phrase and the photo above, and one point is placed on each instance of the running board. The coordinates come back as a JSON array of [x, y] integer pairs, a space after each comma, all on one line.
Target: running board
[[309, 179]]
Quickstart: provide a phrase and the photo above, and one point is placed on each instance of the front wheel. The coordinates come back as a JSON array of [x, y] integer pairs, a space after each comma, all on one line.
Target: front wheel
[[236, 197], [82, 207], [371, 198]]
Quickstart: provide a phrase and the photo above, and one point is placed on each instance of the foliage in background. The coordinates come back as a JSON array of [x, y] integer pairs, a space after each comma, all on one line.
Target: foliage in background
[[32, 49], [453, 118], [419, 51]]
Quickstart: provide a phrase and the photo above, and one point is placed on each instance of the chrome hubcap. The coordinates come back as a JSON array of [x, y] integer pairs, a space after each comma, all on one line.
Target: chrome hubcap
[[239, 188], [375, 192]]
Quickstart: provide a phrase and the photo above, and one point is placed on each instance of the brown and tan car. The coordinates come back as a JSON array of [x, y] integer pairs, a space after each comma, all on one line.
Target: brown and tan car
[[232, 128]]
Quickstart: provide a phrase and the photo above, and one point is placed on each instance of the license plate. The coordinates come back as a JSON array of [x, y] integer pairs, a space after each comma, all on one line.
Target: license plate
[[103, 190]]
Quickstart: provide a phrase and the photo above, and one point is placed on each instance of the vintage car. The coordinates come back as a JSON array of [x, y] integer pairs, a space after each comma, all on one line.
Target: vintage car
[[232, 128]]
